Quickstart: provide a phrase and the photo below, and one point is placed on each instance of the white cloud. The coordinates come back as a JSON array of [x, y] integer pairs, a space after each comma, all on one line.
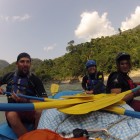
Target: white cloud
[[14, 18], [49, 48], [133, 21], [92, 26]]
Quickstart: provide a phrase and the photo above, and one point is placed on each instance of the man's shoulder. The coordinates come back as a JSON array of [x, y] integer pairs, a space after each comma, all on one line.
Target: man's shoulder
[[115, 73], [85, 75], [9, 75], [34, 77]]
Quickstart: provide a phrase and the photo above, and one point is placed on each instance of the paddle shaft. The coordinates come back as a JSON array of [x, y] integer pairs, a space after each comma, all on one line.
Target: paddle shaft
[[53, 103], [122, 111], [26, 96], [54, 88]]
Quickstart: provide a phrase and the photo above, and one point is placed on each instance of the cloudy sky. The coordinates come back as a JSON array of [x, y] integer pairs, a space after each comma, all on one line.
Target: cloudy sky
[[43, 28]]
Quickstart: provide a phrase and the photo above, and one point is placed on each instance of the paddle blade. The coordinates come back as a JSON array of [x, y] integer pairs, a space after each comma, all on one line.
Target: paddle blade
[[86, 96], [95, 105], [54, 89], [59, 103]]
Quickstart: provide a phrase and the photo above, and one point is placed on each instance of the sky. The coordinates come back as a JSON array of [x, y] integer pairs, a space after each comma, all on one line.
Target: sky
[[43, 28]]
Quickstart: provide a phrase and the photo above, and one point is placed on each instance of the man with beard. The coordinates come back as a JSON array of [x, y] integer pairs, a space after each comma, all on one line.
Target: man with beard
[[25, 82]]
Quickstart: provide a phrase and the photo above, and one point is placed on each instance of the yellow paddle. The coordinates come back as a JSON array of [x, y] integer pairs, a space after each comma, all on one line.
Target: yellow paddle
[[83, 95], [122, 111], [97, 104], [115, 109], [54, 89], [59, 103]]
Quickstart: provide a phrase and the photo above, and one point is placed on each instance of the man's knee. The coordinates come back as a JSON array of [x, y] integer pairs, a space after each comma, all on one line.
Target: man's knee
[[37, 117], [38, 113], [135, 104], [12, 117]]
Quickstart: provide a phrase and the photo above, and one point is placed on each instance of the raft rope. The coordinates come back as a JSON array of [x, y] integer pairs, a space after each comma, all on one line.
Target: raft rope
[[97, 132], [134, 136]]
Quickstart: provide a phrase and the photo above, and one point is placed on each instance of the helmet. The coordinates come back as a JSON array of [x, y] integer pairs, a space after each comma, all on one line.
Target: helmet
[[90, 63], [122, 56]]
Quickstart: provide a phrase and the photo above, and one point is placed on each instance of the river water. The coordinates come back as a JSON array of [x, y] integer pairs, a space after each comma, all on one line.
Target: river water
[[3, 99]]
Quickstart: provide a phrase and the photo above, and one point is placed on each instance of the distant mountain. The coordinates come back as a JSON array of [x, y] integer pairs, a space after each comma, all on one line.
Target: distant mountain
[[3, 64], [136, 28]]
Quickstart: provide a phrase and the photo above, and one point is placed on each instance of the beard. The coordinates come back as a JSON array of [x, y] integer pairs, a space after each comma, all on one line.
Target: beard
[[23, 72]]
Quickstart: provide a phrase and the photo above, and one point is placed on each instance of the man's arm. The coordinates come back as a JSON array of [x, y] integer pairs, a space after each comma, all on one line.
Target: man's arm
[[115, 86], [4, 80], [38, 86], [113, 83], [84, 82]]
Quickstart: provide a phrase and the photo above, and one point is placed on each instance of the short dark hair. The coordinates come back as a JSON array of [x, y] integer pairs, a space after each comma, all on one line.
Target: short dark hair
[[24, 54]]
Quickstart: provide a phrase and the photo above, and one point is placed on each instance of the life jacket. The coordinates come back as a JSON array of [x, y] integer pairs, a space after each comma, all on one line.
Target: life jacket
[[18, 85], [46, 134], [95, 82], [131, 84]]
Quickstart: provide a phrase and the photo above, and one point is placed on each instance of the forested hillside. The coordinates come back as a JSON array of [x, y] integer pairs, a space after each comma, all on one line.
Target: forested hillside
[[103, 50], [3, 64]]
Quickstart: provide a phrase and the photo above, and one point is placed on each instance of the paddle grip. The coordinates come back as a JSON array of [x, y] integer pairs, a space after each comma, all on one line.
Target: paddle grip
[[134, 114], [15, 107], [7, 93], [136, 89]]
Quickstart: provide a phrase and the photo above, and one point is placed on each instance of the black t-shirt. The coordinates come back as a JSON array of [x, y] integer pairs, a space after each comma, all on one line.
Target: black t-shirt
[[35, 85], [119, 80], [94, 82]]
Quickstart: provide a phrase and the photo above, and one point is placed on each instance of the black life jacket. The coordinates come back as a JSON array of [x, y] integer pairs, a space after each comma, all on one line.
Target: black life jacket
[[123, 80]]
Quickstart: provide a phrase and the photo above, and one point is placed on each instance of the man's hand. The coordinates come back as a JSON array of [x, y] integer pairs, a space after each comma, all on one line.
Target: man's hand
[[89, 92], [1, 90], [15, 97], [19, 99]]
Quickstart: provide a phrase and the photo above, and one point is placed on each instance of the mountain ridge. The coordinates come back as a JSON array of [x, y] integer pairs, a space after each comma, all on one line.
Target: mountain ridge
[[3, 64]]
